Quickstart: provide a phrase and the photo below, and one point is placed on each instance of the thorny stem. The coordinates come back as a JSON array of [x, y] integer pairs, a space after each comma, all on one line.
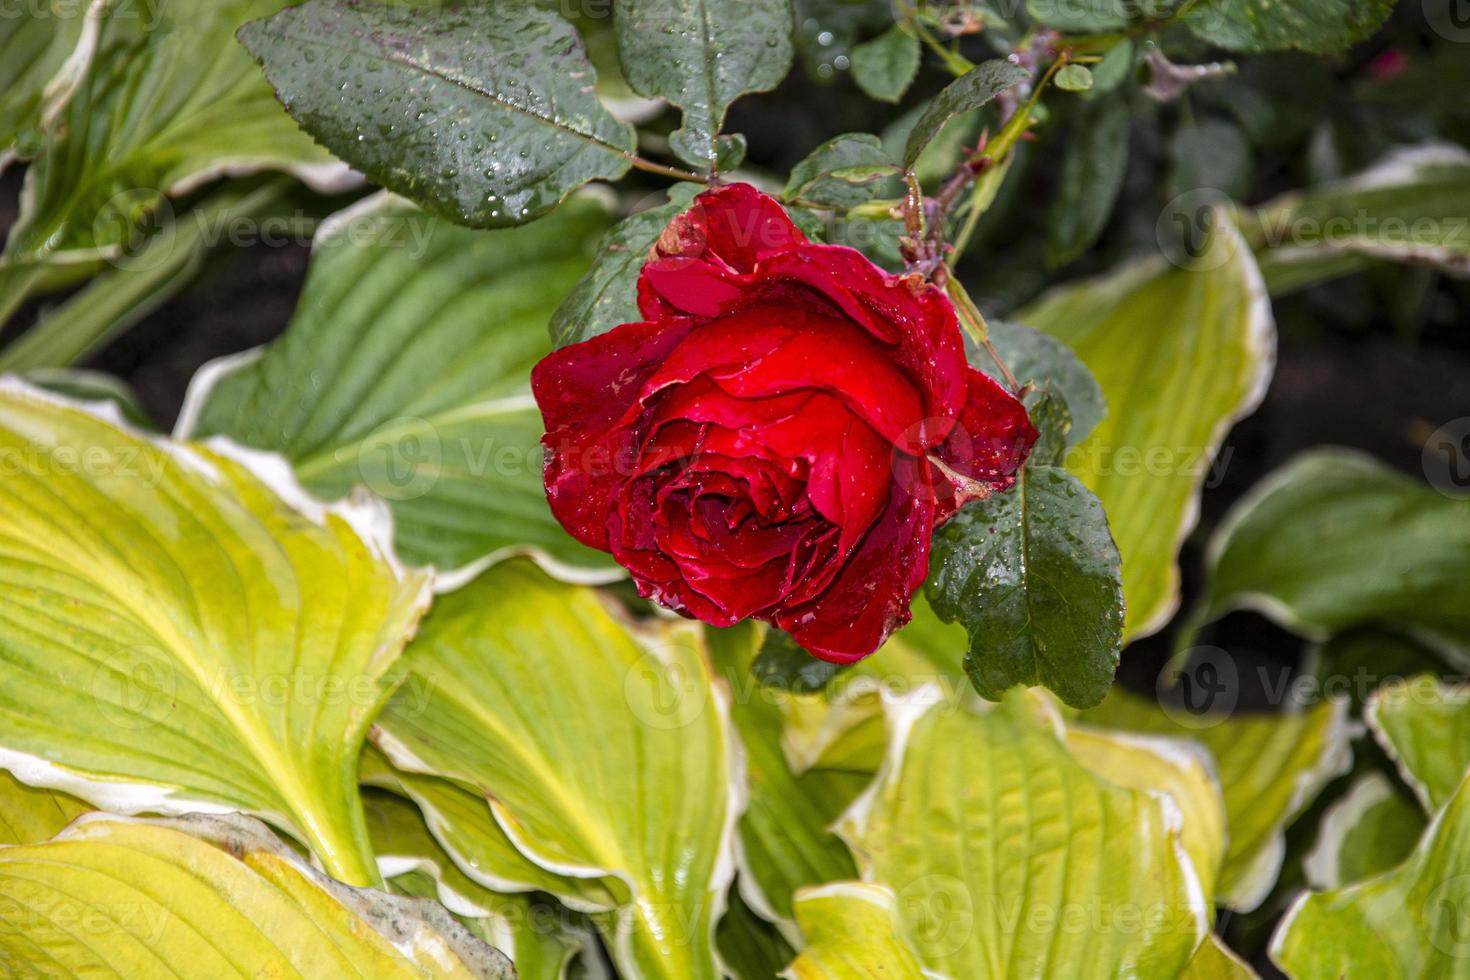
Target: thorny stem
[[674, 173]]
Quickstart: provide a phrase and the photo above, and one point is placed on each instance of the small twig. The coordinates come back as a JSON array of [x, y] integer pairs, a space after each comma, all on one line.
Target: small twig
[[641, 163], [974, 323]]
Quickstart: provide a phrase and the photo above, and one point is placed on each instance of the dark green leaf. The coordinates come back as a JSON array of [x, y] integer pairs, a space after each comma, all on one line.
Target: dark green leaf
[[783, 664], [1074, 78], [1089, 16], [483, 114], [702, 55], [1211, 154], [885, 66], [1053, 421], [729, 152], [965, 94], [812, 179], [1092, 176], [1318, 26], [1109, 73], [1036, 358], [1034, 577], [607, 294]]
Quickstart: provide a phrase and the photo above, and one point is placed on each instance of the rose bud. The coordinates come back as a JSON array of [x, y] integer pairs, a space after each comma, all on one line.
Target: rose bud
[[780, 435]]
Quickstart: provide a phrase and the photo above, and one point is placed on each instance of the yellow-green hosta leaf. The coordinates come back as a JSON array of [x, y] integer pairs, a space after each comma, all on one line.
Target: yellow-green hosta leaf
[[998, 843], [29, 815], [183, 637], [852, 931], [1424, 725], [406, 368], [1270, 768], [534, 934], [1215, 961], [212, 897], [1407, 923], [1372, 828], [1180, 354], [607, 757]]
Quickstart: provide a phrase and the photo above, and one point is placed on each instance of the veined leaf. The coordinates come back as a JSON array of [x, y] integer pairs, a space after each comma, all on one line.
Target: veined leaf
[[1425, 726], [1181, 354], [208, 898], [169, 102], [702, 55], [40, 49], [1270, 768], [406, 369], [484, 114], [1093, 163], [1036, 358], [1334, 540], [1371, 829], [532, 933], [1405, 923], [987, 880], [1318, 26], [185, 637], [812, 179], [1215, 961], [29, 815], [606, 760], [885, 67], [852, 932], [965, 94]]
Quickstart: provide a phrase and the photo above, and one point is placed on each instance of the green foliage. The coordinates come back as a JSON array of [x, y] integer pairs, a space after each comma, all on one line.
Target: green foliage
[[965, 94]]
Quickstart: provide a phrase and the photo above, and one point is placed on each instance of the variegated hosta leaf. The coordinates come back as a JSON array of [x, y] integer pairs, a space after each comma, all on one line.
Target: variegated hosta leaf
[[535, 934], [1370, 829], [170, 102], [1010, 858], [1335, 539], [852, 931], [1425, 726], [1407, 923], [29, 815], [606, 757], [38, 50], [1409, 207], [1181, 354], [750, 947], [1215, 961], [210, 898], [406, 369], [182, 637], [1270, 768]]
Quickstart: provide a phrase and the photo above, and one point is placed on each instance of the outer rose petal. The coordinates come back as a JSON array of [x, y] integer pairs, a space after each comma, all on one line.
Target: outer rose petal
[[994, 435]]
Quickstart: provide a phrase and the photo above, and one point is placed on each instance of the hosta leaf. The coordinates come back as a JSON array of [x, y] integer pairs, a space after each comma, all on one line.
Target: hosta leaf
[[986, 880], [1371, 829], [183, 637], [1033, 575], [1180, 354], [1270, 768], [1405, 923], [170, 102], [812, 182], [210, 898], [885, 66], [406, 369], [484, 114], [750, 947], [1215, 961], [1425, 726], [852, 932], [1334, 540], [36, 43], [1093, 162], [530, 932], [607, 294], [965, 94], [29, 815], [1319, 26], [702, 55], [605, 759]]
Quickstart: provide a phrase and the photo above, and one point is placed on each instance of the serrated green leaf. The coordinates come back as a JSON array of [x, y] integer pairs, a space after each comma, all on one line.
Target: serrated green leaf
[[1097, 16], [1180, 353], [1405, 923], [1335, 539], [605, 759], [1424, 725], [203, 898], [484, 114], [1035, 358], [1093, 162], [1034, 577], [965, 94], [1270, 768], [29, 815], [852, 932], [35, 44], [607, 294], [406, 369], [784, 665], [200, 642], [986, 881], [1371, 829], [885, 67], [702, 55], [1318, 26], [812, 181], [1073, 78]]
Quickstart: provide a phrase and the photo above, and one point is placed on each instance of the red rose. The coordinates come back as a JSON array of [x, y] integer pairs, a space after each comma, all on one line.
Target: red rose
[[781, 434]]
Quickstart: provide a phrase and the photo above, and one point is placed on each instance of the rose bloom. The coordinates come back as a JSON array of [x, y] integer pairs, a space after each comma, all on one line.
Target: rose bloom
[[781, 433]]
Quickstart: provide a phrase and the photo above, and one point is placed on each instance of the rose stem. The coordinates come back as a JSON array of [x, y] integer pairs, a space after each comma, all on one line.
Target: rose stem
[[640, 163], [974, 322]]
